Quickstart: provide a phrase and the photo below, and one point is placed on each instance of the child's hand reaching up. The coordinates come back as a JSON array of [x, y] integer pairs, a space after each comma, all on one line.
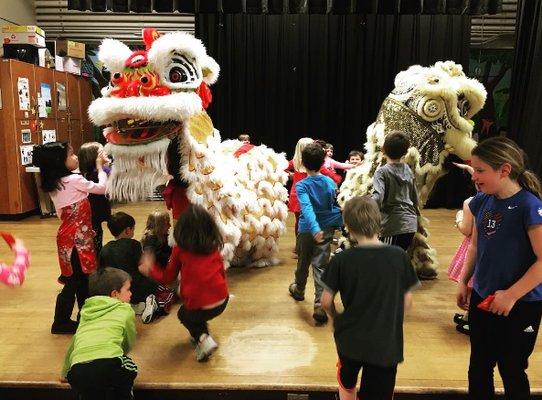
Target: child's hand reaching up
[[101, 160], [146, 263], [319, 237], [464, 167]]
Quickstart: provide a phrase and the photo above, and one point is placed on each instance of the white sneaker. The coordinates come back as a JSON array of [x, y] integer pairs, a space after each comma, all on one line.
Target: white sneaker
[[138, 308], [205, 348], [150, 308]]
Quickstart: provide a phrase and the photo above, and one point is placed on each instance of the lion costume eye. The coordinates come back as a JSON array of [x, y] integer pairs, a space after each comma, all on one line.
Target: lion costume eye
[[177, 75], [182, 72]]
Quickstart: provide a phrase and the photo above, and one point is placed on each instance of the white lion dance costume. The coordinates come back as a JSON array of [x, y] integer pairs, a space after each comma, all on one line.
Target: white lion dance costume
[[161, 92], [433, 106]]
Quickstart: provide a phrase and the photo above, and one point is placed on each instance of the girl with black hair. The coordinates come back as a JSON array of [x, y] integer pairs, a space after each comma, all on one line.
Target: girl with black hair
[[203, 288], [75, 238]]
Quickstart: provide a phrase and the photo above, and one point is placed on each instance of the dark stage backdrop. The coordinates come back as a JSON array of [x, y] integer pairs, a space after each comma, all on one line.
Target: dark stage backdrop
[[526, 88], [288, 76]]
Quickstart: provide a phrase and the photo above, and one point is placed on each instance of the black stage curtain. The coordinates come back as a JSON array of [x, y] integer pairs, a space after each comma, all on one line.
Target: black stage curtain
[[526, 87], [457, 7], [323, 76]]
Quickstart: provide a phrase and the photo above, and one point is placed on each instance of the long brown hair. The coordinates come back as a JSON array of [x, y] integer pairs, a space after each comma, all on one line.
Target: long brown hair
[[197, 232], [157, 226], [497, 151], [88, 153]]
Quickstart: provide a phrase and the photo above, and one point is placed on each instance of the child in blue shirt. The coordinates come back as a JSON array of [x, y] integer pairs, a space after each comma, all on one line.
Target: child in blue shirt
[[319, 218], [505, 257]]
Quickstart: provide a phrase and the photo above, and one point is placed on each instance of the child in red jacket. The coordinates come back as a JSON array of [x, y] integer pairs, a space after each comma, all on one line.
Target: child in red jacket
[[203, 287]]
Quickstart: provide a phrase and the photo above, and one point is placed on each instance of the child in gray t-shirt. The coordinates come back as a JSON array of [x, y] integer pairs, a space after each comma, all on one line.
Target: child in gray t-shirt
[[394, 190]]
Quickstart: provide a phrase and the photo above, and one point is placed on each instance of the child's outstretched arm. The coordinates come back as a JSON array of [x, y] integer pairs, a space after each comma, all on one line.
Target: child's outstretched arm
[[148, 267], [339, 165], [463, 291], [308, 211], [129, 334], [505, 299], [328, 304], [67, 360], [465, 222], [379, 188], [85, 185]]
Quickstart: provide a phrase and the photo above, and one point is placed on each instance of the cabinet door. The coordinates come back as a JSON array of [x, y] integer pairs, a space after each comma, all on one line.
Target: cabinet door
[[74, 101], [24, 89], [62, 134], [74, 132], [27, 196], [85, 91]]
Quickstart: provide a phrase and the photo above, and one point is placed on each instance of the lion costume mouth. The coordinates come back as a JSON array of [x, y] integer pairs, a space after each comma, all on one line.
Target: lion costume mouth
[[136, 131]]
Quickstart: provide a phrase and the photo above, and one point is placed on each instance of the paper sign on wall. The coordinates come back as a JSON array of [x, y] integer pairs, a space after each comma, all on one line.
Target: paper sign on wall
[[24, 96], [26, 154], [46, 98], [48, 135], [26, 136], [42, 110]]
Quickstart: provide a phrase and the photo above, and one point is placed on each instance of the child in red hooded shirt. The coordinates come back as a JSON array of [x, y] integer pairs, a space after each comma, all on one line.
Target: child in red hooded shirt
[[203, 287]]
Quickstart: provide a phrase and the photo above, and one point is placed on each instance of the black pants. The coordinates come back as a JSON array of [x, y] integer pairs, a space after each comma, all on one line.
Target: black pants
[[196, 320], [98, 239], [75, 287], [377, 383], [104, 379], [402, 240], [503, 341]]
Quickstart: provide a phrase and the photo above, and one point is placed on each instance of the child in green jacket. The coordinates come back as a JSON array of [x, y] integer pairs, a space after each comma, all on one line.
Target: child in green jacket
[[96, 364]]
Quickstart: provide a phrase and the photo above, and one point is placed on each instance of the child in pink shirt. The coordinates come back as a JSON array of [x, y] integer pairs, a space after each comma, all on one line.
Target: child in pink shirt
[[75, 238]]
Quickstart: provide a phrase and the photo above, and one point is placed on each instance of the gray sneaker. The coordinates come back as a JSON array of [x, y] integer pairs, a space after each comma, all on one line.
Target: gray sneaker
[[319, 314], [151, 305], [205, 348], [298, 295]]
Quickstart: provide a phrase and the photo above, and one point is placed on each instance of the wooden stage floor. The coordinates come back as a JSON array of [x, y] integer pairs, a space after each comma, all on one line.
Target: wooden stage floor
[[267, 340]]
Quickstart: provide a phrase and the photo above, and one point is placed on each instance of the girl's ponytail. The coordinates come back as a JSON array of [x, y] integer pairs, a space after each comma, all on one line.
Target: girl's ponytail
[[530, 181]]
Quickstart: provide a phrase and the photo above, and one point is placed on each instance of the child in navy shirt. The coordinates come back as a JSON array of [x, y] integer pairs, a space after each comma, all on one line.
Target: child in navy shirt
[[505, 258]]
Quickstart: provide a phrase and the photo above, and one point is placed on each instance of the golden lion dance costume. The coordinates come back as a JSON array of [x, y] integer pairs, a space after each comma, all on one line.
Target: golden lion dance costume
[[433, 106]]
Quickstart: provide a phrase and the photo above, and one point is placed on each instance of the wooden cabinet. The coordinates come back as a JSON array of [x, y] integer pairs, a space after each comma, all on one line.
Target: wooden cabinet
[[66, 99]]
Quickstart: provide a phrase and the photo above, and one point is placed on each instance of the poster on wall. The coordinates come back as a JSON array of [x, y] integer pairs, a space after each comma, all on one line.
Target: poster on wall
[[61, 96], [48, 135], [24, 96], [26, 136], [42, 111], [46, 99], [26, 154]]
